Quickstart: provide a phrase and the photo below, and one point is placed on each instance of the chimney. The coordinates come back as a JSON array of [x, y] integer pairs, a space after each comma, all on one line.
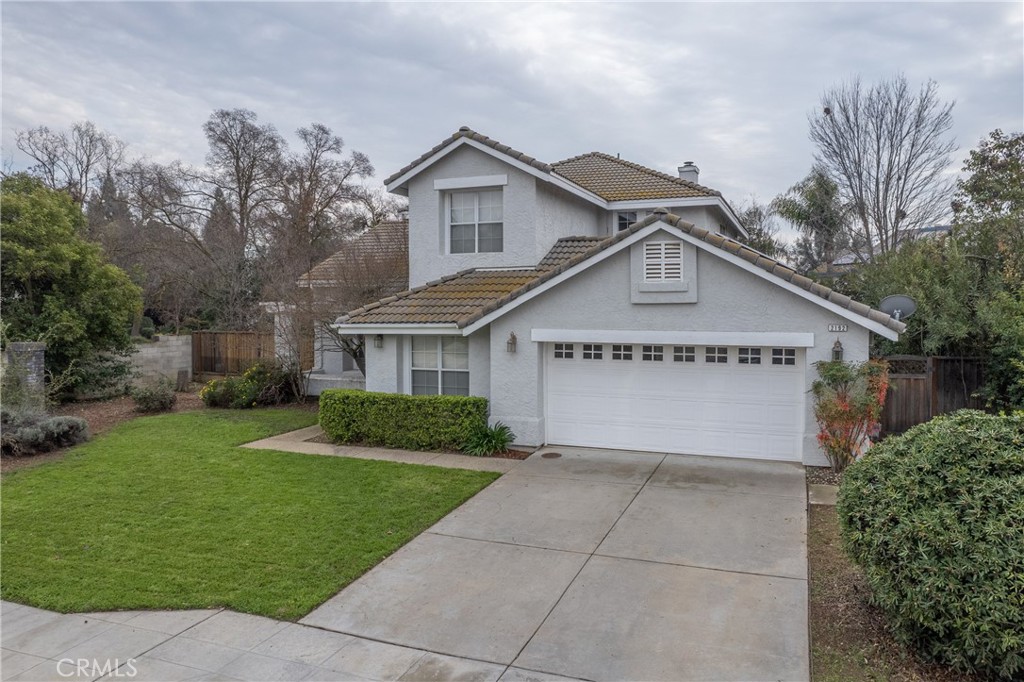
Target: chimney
[[689, 172]]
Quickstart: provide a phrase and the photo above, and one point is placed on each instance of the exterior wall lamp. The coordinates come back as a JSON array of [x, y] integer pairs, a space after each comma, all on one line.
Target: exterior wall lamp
[[837, 351], [378, 341], [510, 345]]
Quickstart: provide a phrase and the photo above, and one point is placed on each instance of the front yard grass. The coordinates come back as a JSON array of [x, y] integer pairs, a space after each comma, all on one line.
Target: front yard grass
[[166, 513]]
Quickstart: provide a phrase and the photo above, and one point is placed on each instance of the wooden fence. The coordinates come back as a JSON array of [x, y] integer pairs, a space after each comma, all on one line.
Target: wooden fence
[[224, 353], [923, 387]]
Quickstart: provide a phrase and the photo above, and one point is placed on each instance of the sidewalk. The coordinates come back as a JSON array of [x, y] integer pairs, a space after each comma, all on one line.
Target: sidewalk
[[299, 441]]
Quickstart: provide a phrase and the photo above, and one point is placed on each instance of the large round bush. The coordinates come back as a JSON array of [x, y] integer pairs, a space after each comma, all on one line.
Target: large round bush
[[935, 517]]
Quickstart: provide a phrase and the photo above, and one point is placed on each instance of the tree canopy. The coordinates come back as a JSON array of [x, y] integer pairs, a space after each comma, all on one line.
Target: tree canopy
[[56, 285]]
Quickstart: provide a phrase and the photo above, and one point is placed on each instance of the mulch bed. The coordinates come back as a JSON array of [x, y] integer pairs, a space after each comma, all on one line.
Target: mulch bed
[[849, 637]]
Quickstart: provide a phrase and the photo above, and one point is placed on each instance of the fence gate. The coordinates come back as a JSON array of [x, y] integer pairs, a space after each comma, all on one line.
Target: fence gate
[[922, 387], [225, 353]]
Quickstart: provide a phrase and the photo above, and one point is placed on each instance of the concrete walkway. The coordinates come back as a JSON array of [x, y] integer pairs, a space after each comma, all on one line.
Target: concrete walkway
[[300, 441], [596, 565]]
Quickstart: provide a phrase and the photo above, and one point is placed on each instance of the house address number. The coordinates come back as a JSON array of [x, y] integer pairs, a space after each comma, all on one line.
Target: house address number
[[838, 328]]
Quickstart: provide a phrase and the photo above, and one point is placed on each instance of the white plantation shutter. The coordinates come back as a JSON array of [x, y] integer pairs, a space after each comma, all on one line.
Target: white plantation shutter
[[663, 261]]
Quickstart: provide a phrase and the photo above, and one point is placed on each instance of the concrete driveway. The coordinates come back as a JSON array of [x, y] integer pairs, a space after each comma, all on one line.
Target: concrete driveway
[[603, 565]]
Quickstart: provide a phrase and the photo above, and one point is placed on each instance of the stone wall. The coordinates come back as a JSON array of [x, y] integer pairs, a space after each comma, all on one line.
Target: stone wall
[[25, 361], [163, 356]]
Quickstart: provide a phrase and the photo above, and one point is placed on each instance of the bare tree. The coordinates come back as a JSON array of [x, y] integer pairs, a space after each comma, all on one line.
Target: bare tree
[[886, 147], [762, 228], [74, 160]]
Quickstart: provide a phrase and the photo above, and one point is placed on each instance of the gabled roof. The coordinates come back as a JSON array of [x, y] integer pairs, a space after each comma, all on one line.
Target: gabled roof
[[384, 242], [466, 132], [614, 179], [469, 296]]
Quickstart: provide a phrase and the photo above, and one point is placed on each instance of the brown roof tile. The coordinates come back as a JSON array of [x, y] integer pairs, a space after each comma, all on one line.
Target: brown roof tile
[[565, 249], [465, 131], [386, 242], [614, 179], [470, 295]]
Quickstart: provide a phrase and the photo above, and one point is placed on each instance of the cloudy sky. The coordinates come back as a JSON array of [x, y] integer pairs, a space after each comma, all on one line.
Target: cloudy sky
[[727, 85]]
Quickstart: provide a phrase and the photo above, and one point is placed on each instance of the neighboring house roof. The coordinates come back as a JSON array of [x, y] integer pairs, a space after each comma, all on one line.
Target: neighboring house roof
[[614, 179], [468, 296], [384, 242]]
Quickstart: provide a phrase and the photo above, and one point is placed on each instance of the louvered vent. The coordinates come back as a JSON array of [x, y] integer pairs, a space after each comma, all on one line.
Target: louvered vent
[[663, 261]]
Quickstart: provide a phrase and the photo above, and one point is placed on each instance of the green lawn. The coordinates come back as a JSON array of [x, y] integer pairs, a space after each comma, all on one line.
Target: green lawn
[[164, 512]]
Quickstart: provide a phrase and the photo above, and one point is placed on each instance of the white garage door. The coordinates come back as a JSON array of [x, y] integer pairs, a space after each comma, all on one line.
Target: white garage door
[[703, 400]]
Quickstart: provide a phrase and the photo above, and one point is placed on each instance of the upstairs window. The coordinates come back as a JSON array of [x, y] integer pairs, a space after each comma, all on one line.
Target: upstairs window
[[663, 261], [623, 219], [475, 222], [440, 365]]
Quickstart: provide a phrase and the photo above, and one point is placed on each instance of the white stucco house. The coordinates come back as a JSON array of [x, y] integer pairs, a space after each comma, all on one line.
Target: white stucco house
[[596, 302]]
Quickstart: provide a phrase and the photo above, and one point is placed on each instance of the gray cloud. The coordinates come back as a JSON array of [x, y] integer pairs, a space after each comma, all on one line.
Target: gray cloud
[[726, 85]]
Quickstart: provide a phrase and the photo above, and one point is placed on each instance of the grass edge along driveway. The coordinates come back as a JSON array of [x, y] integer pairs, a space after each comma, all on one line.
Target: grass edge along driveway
[[167, 513]]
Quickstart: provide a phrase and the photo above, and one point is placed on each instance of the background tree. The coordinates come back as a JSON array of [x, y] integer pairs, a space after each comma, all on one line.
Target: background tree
[[763, 230], [74, 160], [887, 148], [56, 286], [815, 208]]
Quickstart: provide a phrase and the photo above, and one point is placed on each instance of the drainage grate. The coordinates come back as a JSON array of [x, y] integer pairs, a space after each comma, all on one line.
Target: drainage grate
[[551, 455]]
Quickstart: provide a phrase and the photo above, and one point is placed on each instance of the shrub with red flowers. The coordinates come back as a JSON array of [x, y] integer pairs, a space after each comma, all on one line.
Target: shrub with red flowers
[[848, 400]]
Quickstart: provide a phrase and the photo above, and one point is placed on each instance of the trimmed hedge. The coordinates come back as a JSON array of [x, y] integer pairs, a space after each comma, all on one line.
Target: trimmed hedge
[[935, 517], [410, 422]]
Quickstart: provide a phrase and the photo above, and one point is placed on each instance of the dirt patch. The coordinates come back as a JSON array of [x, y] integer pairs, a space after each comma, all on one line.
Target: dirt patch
[[850, 641]]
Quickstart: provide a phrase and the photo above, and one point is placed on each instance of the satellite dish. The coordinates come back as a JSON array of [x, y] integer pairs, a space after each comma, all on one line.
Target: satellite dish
[[898, 306]]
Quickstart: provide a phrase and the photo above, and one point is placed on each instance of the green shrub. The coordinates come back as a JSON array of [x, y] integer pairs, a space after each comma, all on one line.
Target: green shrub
[[936, 519], [156, 396], [147, 328], [265, 383], [489, 440], [411, 422], [27, 432]]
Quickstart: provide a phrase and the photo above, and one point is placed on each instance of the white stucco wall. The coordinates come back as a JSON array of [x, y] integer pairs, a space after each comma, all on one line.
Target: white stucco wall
[[730, 300]]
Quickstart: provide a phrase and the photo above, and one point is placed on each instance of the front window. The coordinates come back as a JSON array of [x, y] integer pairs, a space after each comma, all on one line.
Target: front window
[[663, 261], [475, 222], [440, 365]]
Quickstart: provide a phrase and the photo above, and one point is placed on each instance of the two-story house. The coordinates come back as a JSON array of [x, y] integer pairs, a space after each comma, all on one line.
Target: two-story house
[[599, 303]]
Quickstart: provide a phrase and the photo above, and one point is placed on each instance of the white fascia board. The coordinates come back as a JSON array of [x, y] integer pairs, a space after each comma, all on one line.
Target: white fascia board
[[450, 329], [717, 202], [553, 178], [859, 320], [693, 338], [469, 183]]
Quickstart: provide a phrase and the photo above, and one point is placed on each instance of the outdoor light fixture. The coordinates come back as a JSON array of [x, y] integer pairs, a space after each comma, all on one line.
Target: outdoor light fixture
[[510, 345], [837, 351], [378, 341]]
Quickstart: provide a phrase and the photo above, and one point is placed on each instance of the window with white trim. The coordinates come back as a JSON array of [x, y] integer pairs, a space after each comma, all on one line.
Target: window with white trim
[[652, 353], [475, 222], [593, 351], [621, 352], [440, 365], [563, 351], [719, 354], [749, 356], [623, 219], [783, 356], [684, 353], [663, 261]]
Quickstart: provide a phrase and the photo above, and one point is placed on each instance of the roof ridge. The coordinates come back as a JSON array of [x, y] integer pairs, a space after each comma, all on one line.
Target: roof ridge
[[640, 167]]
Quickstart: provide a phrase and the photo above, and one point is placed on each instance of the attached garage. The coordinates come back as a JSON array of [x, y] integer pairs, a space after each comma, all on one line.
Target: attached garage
[[720, 400]]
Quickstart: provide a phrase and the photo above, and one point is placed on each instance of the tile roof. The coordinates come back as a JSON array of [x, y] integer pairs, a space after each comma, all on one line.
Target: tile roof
[[465, 131], [386, 242], [614, 179], [565, 249], [470, 295]]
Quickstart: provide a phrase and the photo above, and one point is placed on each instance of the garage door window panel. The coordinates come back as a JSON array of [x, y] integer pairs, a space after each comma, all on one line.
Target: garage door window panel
[[652, 353], [784, 356], [749, 356], [563, 351], [620, 352], [716, 355], [593, 351]]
